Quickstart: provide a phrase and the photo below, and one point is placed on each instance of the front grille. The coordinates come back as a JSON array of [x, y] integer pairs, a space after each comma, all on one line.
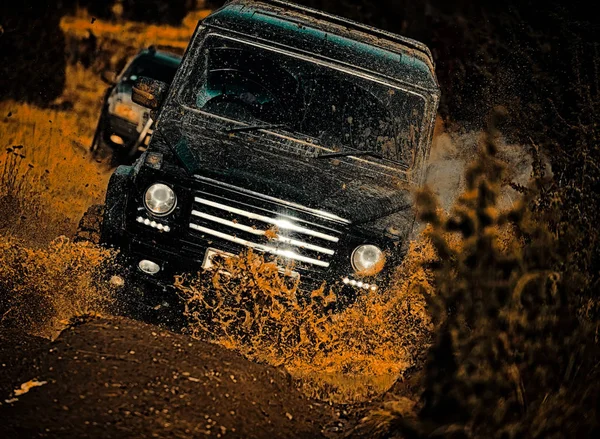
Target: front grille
[[237, 219]]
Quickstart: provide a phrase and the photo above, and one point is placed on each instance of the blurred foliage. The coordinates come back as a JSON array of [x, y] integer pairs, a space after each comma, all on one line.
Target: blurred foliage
[[573, 195], [512, 357], [32, 52]]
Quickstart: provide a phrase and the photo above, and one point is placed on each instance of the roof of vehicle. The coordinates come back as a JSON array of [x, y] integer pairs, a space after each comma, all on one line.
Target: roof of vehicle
[[344, 40]]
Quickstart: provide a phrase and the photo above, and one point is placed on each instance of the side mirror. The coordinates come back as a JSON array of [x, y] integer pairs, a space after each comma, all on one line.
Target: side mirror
[[149, 92], [108, 77]]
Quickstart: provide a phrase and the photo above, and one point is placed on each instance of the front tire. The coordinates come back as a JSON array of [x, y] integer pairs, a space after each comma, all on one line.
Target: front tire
[[90, 225]]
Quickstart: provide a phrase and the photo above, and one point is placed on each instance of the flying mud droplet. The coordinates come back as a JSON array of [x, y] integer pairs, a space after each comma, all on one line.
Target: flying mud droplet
[[117, 281]]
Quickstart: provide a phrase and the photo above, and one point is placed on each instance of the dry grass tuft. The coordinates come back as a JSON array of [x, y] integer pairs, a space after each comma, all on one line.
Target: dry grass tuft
[[48, 178]]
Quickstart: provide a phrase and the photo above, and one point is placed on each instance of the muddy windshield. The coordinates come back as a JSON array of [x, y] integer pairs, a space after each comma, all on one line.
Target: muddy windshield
[[342, 111]]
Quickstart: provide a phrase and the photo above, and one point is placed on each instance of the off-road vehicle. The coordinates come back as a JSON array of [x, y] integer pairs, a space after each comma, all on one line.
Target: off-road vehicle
[[125, 127], [288, 131]]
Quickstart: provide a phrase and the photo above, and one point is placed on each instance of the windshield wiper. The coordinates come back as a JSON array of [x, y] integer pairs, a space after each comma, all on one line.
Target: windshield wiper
[[348, 153], [267, 126]]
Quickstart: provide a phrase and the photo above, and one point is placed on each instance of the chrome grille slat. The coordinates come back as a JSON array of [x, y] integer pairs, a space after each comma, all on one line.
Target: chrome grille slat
[[247, 192], [281, 224], [333, 228], [288, 254], [260, 225], [260, 232], [229, 218]]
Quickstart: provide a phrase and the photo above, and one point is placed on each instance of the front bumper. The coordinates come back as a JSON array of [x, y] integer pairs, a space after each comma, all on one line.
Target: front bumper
[[182, 250], [180, 260], [172, 262]]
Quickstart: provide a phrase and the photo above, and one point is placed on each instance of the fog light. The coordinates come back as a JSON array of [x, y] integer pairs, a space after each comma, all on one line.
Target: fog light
[[154, 224], [148, 267], [117, 140], [359, 284]]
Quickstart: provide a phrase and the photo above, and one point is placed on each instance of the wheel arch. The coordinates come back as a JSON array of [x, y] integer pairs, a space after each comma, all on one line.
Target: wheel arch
[[117, 193]]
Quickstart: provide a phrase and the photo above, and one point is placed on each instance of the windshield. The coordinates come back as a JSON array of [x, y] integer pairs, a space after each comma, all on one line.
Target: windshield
[[343, 111], [151, 67]]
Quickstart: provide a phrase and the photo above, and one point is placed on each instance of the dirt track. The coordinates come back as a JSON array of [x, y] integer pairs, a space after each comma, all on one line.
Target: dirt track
[[117, 378]]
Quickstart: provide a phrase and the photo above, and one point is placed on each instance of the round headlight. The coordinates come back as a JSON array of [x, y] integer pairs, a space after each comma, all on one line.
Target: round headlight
[[160, 199], [366, 258]]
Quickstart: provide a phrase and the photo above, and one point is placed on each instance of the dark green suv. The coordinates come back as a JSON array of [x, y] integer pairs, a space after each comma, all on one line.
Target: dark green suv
[[125, 126], [288, 131]]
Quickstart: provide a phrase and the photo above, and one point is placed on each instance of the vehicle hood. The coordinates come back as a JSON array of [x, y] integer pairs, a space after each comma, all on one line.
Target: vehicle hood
[[356, 190]]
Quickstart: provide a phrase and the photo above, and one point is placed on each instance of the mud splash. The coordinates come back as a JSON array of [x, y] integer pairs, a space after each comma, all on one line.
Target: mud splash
[[451, 153], [43, 289], [246, 304]]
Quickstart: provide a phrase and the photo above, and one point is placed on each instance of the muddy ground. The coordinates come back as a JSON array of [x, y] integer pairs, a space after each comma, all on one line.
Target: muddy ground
[[117, 378]]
